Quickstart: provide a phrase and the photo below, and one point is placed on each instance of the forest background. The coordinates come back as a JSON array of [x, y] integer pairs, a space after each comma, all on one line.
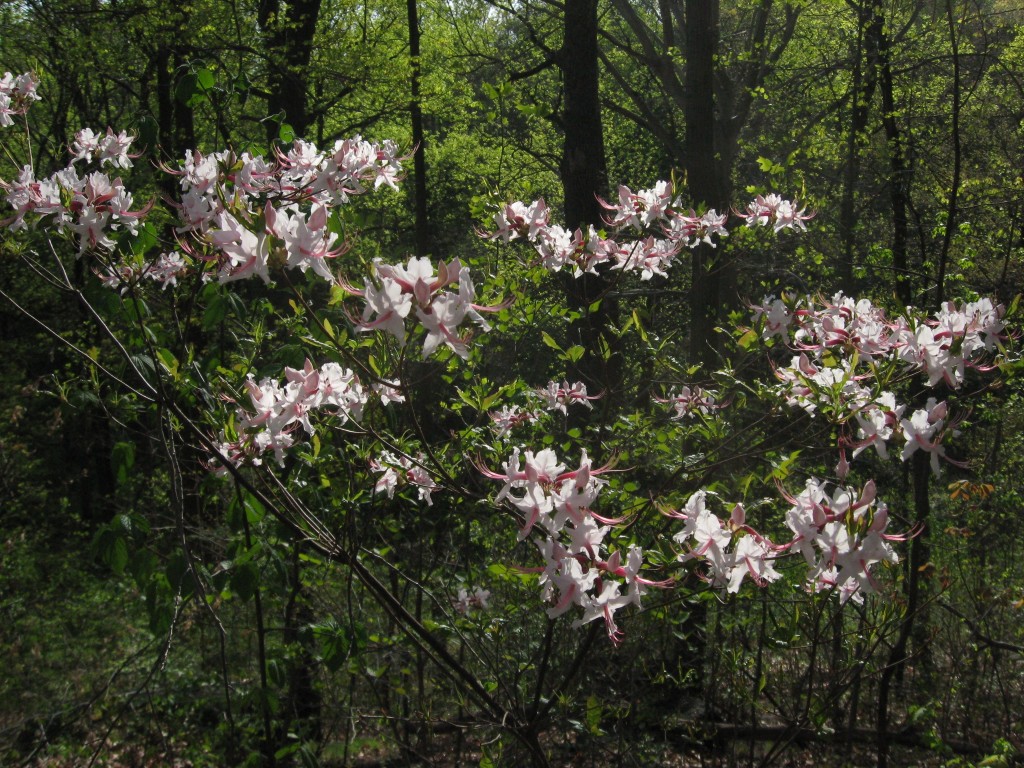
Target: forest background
[[156, 614]]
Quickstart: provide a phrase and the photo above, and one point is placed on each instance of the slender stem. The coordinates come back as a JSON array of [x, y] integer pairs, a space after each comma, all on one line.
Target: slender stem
[[261, 647]]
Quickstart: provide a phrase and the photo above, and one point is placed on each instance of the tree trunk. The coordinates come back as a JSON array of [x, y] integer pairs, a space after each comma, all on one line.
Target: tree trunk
[[703, 171], [899, 179], [584, 178], [861, 93], [288, 32], [418, 141]]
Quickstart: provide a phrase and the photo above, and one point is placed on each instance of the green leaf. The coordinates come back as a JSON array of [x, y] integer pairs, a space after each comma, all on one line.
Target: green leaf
[[748, 339], [307, 756], [594, 710], [193, 87], [639, 326], [112, 549], [169, 362], [214, 313], [335, 643], [464, 397], [286, 133], [122, 459], [144, 364], [144, 240], [498, 570], [204, 78], [179, 576], [245, 580], [160, 604], [148, 131], [546, 338], [142, 565]]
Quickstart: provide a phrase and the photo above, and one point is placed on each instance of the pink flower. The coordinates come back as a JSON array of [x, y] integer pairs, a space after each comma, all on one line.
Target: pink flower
[[16, 96], [465, 601], [519, 220], [111, 148], [241, 253], [307, 240], [925, 430], [773, 210], [557, 397]]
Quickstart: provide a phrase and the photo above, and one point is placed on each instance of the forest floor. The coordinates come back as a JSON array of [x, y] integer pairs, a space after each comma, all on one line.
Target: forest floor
[[566, 751]]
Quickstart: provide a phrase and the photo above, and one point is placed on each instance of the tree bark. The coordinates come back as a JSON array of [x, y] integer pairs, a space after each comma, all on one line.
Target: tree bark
[[419, 142], [288, 31], [899, 179], [862, 92], [703, 170], [584, 177]]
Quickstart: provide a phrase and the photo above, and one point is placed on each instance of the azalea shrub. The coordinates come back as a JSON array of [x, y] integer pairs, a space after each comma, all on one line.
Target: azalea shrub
[[379, 410]]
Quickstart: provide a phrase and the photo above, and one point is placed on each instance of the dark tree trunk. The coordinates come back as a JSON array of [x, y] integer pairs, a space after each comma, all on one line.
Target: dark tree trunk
[[288, 31], [954, 191], [861, 93], [584, 177], [583, 167], [704, 172], [899, 180], [416, 115]]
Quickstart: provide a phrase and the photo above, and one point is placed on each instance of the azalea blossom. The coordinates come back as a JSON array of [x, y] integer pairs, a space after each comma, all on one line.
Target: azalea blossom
[[279, 409], [111, 148], [556, 505], [397, 471], [776, 212], [691, 400], [924, 430], [418, 286], [307, 240], [467, 601], [17, 93], [558, 397], [510, 417], [647, 230], [842, 536]]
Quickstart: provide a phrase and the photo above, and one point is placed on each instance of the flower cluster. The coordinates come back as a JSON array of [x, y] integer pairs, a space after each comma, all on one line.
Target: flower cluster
[[277, 410], [956, 337], [841, 346], [244, 210], [558, 397], [397, 471], [510, 417], [841, 536], [704, 536], [577, 571], [88, 207], [402, 289], [925, 429], [17, 92], [111, 148], [552, 397], [652, 226], [776, 212], [243, 183], [165, 270], [689, 401], [467, 601]]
